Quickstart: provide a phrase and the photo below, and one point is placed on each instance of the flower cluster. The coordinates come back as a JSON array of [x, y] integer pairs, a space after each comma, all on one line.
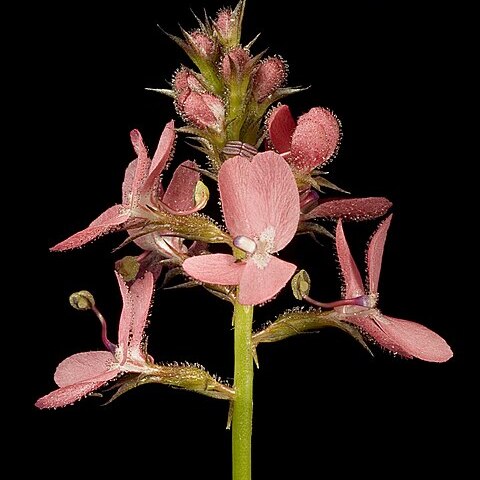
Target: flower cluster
[[268, 167]]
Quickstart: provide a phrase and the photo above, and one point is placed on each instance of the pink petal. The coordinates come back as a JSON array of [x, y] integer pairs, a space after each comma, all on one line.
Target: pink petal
[[417, 340], [112, 219], [375, 254], [125, 324], [260, 194], [82, 367], [142, 166], [350, 209], [180, 194], [281, 126], [161, 157], [128, 182], [259, 285], [141, 292], [315, 139], [351, 276], [217, 269], [405, 338], [67, 395]]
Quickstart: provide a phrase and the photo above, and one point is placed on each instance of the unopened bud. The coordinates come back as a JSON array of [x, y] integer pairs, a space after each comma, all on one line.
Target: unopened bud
[[301, 284], [234, 63], [225, 23], [203, 110], [82, 300], [269, 76], [203, 44], [228, 25], [185, 80]]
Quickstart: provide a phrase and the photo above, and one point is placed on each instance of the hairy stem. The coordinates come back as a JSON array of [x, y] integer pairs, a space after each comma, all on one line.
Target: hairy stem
[[243, 383]]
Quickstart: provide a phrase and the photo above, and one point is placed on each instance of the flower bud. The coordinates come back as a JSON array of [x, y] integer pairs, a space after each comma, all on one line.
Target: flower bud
[[82, 300], [234, 63], [225, 23], [184, 80], [203, 110], [203, 44], [228, 25], [269, 76]]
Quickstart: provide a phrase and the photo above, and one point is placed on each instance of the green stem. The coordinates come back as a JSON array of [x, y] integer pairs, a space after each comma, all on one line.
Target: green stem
[[243, 383]]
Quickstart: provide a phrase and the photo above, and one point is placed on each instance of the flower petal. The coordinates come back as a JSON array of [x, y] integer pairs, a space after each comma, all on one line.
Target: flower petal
[[350, 209], [82, 367], [125, 322], [281, 126], [259, 285], [141, 292], [315, 139], [180, 194], [417, 340], [161, 158], [375, 254], [67, 395], [405, 338], [218, 268], [142, 166], [112, 219], [258, 195], [128, 182], [351, 276]]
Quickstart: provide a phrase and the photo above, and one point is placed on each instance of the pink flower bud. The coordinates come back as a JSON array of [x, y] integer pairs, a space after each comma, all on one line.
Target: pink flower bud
[[184, 79], [204, 110], [269, 77], [234, 62], [225, 23], [203, 44]]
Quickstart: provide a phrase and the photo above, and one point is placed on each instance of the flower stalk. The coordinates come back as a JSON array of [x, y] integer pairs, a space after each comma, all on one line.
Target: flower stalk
[[243, 384]]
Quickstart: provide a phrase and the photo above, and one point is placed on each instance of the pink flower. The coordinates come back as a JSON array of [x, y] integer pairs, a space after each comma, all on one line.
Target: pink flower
[[307, 144], [142, 188], [261, 207], [85, 372], [403, 337]]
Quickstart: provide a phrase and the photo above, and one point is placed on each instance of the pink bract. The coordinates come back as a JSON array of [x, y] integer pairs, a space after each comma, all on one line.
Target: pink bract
[[403, 337], [85, 372], [308, 143], [260, 203]]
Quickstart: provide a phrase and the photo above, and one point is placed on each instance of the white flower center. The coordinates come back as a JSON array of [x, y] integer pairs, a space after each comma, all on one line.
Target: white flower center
[[259, 249], [265, 246]]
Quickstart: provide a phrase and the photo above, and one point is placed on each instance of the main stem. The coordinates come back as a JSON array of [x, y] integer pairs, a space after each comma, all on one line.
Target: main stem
[[243, 403]]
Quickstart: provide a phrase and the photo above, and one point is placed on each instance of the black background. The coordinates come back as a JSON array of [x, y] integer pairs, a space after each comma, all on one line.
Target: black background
[[391, 75]]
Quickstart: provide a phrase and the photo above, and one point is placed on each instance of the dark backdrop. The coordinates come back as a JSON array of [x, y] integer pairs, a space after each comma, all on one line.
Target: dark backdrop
[[320, 400]]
